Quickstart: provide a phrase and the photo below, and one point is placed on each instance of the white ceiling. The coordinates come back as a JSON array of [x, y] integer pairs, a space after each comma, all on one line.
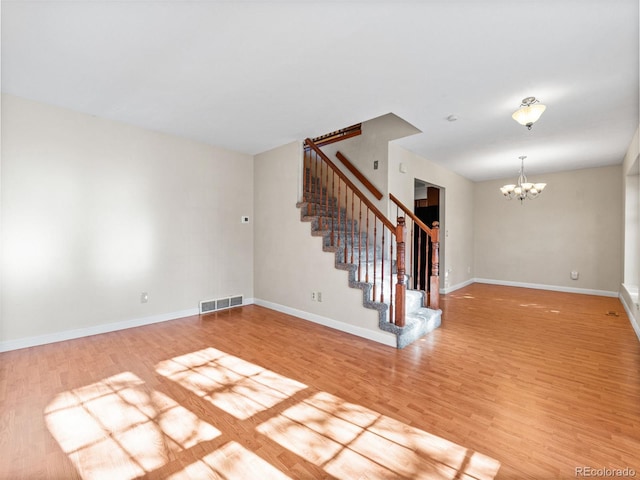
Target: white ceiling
[[250, 76]]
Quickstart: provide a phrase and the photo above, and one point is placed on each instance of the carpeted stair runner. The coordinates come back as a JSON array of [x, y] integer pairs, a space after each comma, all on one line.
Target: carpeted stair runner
[[319, 210]]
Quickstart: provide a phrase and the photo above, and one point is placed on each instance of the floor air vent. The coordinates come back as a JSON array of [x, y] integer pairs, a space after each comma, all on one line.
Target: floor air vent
[[207, 306]]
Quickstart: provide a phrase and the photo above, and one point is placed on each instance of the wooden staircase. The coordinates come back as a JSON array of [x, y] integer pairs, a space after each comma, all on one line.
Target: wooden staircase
[[366, 245]]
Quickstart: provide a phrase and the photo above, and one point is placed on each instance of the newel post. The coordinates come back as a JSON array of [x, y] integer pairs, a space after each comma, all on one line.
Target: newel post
[[401, 287], [434, 280]]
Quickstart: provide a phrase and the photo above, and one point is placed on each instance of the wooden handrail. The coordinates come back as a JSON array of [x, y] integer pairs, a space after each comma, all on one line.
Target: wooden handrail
[[385, 221], [339, 135], [353, 169], [411, 215], [361, 234]]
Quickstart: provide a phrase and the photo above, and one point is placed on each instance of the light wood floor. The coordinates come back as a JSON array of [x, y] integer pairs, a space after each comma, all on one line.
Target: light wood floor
[[517, 384]]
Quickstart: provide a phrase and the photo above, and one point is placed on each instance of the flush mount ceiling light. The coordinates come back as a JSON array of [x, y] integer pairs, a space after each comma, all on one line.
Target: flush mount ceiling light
[[529, 112], [522, 189]]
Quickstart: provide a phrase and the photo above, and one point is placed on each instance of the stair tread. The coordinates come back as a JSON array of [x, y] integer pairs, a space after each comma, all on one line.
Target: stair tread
[[424, 312]]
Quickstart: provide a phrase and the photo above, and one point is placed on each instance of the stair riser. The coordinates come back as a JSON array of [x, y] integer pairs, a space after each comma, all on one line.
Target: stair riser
[[319, 193], [331, 210], [324, 211], [347, 238], [344, 224]]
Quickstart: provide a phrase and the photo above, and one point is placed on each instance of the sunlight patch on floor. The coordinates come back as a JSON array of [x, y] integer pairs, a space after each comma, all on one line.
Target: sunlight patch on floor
[[120, 428], [117, 428], [231, 461], [349, 440], [236, 386]]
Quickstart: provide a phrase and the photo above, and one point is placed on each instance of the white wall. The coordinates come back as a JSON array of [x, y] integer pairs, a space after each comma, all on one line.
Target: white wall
[[631, 181], [574, 225], [632, 230], [95, 212], [289, 263], [371, 146], [456, 228]]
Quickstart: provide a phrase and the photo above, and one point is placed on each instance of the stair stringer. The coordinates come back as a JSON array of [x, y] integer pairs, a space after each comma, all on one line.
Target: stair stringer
[[417, 324]]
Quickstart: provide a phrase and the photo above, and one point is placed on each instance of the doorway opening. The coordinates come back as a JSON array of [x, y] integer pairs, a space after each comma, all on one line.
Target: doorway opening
[[428, 207]]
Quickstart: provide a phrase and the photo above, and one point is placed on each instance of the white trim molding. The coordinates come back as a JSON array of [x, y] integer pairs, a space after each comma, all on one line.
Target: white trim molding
[[27, 342], [381, 337], [457, 286], [629, 300], [555, 288], [632, 319]]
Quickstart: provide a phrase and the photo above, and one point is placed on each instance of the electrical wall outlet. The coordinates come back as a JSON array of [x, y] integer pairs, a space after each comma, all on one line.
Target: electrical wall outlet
[[144, 297], [319, 296], [314, 297], [575, 275], [244, 219]]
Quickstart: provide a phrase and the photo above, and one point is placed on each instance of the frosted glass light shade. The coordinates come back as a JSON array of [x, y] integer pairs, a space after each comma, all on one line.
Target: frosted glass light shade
[[529, 114]]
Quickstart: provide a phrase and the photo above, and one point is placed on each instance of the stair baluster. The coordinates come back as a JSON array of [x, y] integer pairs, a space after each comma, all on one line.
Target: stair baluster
[[345, 212], [434, 296], [431, 238], [360, 243], [340, 213], [401, 288]]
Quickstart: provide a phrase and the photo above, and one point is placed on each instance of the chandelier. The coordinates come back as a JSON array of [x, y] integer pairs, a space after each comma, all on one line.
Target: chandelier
[[522, 189], [529, 112]]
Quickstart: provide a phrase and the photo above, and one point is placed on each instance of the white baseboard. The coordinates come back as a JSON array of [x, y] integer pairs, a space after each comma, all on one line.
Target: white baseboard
[[555, 288], [455, 287], [632, 318], [94, 330], [380, 337]]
